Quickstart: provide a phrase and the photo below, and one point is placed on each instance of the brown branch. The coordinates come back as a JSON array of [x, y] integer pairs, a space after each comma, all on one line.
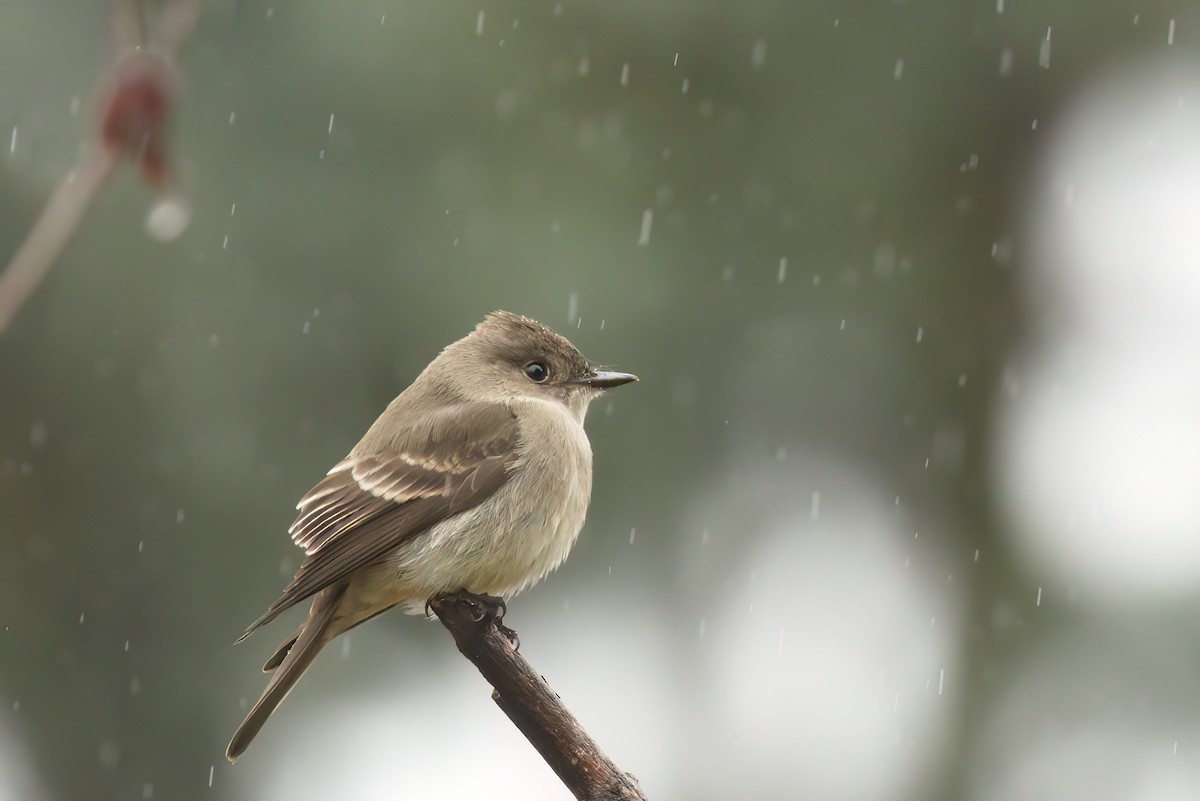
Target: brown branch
[[135, 104], [531, 704], [51, 232]]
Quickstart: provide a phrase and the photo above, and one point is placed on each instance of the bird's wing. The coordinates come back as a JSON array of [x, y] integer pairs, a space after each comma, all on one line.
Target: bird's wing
[[441, 463]]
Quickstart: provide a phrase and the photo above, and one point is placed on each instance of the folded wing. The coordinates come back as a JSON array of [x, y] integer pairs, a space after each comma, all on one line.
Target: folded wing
[[438, 465]]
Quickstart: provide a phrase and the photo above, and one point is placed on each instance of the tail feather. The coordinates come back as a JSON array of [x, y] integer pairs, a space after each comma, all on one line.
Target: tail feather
[[281, 652], [297, 658]]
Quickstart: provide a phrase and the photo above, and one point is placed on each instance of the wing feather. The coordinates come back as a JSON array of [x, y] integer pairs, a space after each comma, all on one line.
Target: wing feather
[[443, 463]]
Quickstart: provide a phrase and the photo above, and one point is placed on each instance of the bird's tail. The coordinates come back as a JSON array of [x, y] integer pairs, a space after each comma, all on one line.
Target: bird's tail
[[307, 645]]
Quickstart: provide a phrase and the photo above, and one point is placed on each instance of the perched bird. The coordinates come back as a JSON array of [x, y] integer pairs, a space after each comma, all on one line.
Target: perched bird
[[477, 478]]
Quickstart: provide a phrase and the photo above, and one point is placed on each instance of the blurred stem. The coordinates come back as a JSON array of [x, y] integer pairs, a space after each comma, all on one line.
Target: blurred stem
[[51, 232], [129, 25], [532, 705]]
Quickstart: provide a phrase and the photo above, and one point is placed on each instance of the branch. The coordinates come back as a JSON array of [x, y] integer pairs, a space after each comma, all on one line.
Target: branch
[[136, 103], [531, 704]]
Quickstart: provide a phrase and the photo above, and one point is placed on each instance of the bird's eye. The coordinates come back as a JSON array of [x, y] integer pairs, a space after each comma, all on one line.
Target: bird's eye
[[537, 372]]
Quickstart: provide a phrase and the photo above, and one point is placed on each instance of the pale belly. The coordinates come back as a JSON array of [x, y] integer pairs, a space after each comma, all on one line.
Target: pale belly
[[507, 543]]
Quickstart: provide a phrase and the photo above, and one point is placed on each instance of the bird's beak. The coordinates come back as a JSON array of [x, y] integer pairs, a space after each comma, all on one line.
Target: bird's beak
[[605, 379]]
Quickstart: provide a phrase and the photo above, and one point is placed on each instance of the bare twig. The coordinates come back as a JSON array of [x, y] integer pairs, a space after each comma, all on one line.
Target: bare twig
[[51, 232], [136, 105], [532, 705]]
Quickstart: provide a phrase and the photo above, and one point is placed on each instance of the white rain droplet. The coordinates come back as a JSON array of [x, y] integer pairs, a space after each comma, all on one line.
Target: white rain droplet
[[479, 23], [920, 333], [573, 307], [999, 6], [625, 74], [1039, 597], [632, 537], [330, 124], [647, 222], [168, 219], [211, 769], [1044, 52], [782, 269], [1170, 41], [703, 626], [12, 141], [898, 70], [1006, 61], [758, 54], [814, 506], [941, 680]]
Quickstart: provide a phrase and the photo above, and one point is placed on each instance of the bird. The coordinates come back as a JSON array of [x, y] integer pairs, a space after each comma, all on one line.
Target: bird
[[474, 479]]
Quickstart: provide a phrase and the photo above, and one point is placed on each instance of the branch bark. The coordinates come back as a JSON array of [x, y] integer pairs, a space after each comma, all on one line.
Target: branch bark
[[532, 705]]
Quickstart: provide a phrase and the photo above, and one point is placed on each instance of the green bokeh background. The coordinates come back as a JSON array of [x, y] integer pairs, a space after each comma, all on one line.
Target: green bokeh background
[[162, 406]]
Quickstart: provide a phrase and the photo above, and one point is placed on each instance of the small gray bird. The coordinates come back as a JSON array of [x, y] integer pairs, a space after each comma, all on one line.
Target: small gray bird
[[477, 477]]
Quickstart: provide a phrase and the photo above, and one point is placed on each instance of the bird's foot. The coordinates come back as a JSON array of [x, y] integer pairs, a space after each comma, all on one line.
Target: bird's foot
[[483, 607]]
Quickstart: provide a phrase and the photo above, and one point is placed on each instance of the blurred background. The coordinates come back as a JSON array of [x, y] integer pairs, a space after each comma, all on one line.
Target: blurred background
[[906, 505]]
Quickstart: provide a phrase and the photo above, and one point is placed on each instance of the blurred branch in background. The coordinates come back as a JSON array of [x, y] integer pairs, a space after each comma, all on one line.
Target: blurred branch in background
[[136, 108], [532, 705]]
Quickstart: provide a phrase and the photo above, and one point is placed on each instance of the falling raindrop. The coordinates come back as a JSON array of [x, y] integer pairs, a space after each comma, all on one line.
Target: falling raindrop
[[1044, 52], [647, 222], [758, 54]]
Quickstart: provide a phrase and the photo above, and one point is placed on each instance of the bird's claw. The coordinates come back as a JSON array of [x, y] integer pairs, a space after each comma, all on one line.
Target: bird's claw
[[483, 607]]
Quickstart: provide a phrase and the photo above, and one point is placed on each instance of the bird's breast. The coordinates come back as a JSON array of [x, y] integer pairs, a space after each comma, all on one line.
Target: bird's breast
[[518, 535]]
